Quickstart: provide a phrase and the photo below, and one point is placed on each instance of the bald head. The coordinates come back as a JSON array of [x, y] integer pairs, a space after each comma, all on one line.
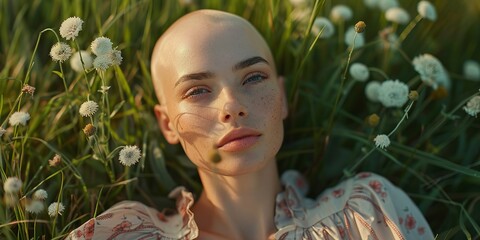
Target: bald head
[[194, 39]]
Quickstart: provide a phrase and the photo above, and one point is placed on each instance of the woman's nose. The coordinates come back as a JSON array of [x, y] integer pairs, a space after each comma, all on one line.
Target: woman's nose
[[232, 109]]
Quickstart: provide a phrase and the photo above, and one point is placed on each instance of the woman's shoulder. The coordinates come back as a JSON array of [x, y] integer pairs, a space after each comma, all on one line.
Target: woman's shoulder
[[133, 220], [364, 205]]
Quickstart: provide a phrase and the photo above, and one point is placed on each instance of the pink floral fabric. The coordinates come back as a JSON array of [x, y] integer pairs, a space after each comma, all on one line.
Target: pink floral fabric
[[366, 206]]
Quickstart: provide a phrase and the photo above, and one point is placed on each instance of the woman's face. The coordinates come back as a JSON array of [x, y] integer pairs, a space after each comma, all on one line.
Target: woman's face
[[223, 99]]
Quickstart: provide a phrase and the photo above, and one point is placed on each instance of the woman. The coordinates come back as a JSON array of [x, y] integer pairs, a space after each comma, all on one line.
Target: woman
[[222, 100]]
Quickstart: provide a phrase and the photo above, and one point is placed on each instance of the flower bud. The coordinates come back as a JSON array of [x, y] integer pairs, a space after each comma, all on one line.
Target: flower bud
[[413, 95], [28, 89], [89, 130], [57, 159], [373, 120], [360, 26]]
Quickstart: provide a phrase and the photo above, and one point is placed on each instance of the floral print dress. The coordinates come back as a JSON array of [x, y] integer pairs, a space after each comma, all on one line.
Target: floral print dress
[[366, 206]]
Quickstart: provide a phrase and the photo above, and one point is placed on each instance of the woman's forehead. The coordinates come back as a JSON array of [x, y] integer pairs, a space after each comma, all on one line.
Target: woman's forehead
[[206, 41], [200, 45]]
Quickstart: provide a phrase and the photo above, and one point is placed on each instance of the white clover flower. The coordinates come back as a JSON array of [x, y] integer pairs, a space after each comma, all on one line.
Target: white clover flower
[[76, 63], [359, 39], [56, 208], [397, 15], [102, 62], [40, 194], [431, 71], [2, 131], [393, 93], [372, 91], [101, 46], [359, 72], [71, 27], [34, 207], [60, 52], [323, 25], [341, 13], [88, 108], [115, 57], [471, 70], [427, 10], [382, 141], [12, 185], [473, 106], [19, 118], [130, 155], [387, 4]]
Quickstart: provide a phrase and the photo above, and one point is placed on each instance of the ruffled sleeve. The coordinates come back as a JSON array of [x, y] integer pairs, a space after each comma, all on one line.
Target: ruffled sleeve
[[366, 206], [134, 220]]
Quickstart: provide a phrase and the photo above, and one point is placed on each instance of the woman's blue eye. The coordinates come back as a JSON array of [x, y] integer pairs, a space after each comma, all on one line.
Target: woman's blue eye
[[196, 91], [256, 77]]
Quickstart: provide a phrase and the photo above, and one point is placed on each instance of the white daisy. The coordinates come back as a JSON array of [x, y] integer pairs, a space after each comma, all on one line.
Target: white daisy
[[60, 52], [359, 72], [88, 108], [393, 93], [40, 194], [473, 106], [116, 57], [101, 46], [471, 70], [397, 15], [12, 185], [76, 63], [34, 206], [323, 25], [19, 118], [71, 27], [341, 13], [427, 10], [382, 141], [431, 71], [130, 155], [372, 90], [56, 208], [102, 62]]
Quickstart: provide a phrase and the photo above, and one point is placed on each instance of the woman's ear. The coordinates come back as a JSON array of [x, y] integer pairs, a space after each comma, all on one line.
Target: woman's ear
[[165, 124], [281, 81]]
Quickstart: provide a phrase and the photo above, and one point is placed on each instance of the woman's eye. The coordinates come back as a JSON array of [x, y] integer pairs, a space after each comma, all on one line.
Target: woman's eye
[[254, 78], [195, 92]]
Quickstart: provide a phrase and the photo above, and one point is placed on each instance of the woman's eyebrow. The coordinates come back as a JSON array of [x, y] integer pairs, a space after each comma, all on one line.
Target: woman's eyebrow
[[194, 76], [248, 62]]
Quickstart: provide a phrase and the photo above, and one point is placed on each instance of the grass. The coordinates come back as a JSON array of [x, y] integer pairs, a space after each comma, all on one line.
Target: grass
[[434, 155]]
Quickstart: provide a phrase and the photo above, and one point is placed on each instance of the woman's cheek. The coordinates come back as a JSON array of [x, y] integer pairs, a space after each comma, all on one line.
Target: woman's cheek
[[198, 124]]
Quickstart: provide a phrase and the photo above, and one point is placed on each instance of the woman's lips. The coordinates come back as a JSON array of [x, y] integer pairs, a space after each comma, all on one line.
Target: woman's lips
[[238, 140]]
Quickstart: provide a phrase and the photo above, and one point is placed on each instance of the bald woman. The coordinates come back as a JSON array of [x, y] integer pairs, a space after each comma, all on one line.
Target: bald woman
[[221, 98]]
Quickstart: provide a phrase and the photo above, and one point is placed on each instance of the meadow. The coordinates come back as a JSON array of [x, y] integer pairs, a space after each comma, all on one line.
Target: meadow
[[77, 138]]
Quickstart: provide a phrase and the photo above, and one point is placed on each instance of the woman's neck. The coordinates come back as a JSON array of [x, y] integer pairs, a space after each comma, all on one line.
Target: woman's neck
[[238, 207]]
